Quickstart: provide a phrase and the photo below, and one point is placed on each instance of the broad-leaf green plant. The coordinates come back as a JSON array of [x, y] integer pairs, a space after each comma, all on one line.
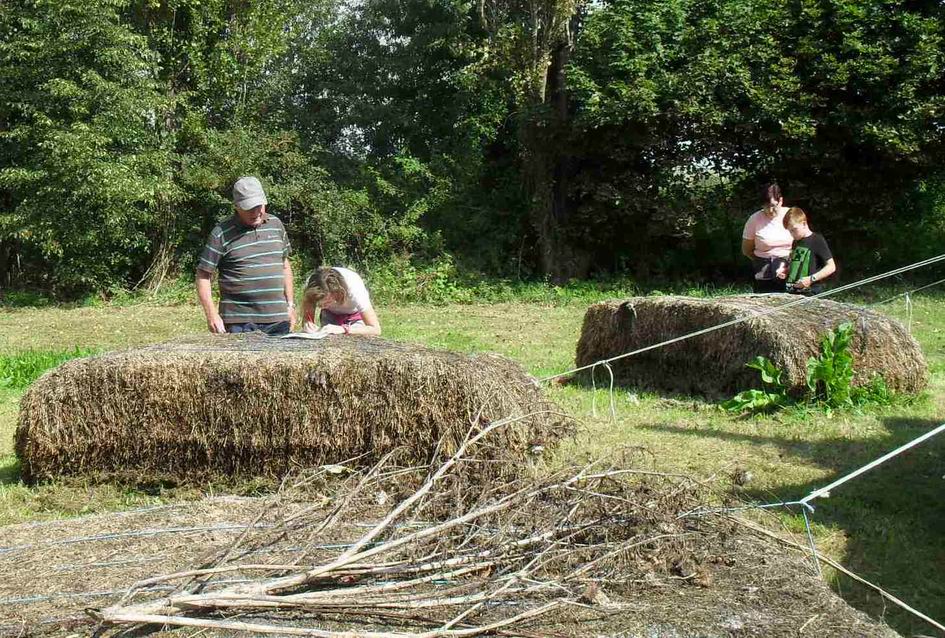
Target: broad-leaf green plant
[[829, 381], [830, 375], [772, 396]]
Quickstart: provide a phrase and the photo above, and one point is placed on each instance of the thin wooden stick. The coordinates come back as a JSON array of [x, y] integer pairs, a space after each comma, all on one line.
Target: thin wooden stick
[[183, 621], [212, 570], [428, 485]]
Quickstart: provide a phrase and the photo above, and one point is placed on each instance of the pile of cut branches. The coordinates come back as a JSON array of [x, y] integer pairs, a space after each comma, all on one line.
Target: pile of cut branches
[[441, 561]]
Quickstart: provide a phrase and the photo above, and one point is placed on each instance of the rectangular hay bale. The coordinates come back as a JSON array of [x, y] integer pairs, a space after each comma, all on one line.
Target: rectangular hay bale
[[714, 364], [249, 405]]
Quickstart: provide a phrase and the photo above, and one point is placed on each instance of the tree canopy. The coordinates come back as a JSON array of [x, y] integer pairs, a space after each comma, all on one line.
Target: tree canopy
[[547, 138]]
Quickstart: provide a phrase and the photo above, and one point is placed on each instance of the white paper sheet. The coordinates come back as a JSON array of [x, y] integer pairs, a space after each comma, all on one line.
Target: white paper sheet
[[305, 335]]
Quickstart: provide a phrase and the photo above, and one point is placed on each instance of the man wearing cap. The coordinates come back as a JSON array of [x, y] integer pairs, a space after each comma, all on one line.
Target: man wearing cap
[[250, 251]]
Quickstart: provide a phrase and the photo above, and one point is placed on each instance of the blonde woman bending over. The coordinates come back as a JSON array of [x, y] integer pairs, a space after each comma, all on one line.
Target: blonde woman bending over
[[343, 303]]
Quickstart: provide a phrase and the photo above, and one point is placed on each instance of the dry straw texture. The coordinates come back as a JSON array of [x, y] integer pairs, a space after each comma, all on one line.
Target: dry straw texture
[[240, 406], [714, 364]]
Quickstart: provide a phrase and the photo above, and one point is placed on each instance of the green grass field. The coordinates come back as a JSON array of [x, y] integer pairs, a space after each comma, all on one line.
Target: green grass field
[[888, 526]]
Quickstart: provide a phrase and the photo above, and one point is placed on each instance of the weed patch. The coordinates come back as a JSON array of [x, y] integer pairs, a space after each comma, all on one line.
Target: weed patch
[[18, 371], [829, 381]]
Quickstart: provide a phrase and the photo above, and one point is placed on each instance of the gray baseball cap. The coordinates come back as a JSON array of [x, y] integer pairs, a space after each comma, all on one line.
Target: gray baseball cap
[[248, 193]]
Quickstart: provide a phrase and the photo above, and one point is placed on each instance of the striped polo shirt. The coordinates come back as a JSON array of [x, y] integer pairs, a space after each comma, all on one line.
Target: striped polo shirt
[[249, 261]]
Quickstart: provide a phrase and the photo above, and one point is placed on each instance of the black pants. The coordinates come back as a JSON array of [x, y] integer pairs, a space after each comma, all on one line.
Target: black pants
[[275, 329], [767, 285]]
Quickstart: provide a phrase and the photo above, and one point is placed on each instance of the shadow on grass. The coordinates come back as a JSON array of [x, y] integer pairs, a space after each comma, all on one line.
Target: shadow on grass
[[9, 470], [893, 516]]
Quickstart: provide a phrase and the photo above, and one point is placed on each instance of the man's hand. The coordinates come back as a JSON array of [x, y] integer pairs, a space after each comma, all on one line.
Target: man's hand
[[803, 283], [782, 271], [215, 323]]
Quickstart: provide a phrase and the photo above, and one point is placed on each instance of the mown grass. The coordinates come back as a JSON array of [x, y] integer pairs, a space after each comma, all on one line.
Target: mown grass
[[889, 525]]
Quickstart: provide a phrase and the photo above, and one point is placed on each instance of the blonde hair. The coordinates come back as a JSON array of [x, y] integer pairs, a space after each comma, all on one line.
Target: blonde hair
[[323, 282], [795, 215]]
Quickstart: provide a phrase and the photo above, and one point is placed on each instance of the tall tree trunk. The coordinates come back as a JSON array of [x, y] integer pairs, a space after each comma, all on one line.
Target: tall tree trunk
[[6, 278], [549, 168], [162, 253]]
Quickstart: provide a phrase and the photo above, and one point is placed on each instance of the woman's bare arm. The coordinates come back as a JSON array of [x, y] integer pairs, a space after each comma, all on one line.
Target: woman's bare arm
[[372, 325]]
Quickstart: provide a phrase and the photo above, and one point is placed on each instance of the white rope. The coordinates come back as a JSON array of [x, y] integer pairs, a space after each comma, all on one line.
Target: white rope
[[909, 312], [613, 407], [824, 492], [908, 292], [790, 304]]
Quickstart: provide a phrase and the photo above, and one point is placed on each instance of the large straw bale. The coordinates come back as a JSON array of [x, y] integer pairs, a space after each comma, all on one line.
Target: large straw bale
[[249, 405], [714, 364]]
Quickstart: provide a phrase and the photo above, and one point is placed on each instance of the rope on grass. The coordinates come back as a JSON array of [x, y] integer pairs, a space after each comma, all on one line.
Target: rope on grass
[[810, 540], [613, 407], [824, 492], [613, 404], [748, 317], [909, 311]]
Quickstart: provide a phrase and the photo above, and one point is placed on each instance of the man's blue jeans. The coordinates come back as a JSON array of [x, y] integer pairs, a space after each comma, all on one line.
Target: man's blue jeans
[[275, 329]]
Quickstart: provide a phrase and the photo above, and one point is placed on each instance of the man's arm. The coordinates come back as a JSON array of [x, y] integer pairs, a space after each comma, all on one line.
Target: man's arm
[[289, 284], [205, 295]]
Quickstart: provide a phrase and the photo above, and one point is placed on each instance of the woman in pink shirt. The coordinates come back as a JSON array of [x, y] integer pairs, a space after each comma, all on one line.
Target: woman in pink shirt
[[767, 242]]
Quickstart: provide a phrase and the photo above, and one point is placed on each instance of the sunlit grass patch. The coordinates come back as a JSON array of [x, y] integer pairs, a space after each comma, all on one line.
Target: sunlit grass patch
[[17, 371]]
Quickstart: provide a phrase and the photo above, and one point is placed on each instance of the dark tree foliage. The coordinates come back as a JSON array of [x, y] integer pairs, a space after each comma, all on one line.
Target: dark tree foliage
[[553, 138], [686, 107], [82, 167]]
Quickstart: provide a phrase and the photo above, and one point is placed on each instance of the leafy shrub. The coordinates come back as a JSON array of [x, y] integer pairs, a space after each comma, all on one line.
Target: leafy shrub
[[830, 375], [402, 281], [772, 396], [829, 382]]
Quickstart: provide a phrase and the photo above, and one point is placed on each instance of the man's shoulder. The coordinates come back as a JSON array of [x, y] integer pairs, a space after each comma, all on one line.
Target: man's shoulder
[[275, 221], [222, 226]]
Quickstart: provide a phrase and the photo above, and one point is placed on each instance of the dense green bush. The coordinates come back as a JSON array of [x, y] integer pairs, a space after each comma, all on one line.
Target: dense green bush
[[431, 141]]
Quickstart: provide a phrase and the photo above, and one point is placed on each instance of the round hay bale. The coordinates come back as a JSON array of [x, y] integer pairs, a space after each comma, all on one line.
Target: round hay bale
[[249, 405], [714, 364]]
